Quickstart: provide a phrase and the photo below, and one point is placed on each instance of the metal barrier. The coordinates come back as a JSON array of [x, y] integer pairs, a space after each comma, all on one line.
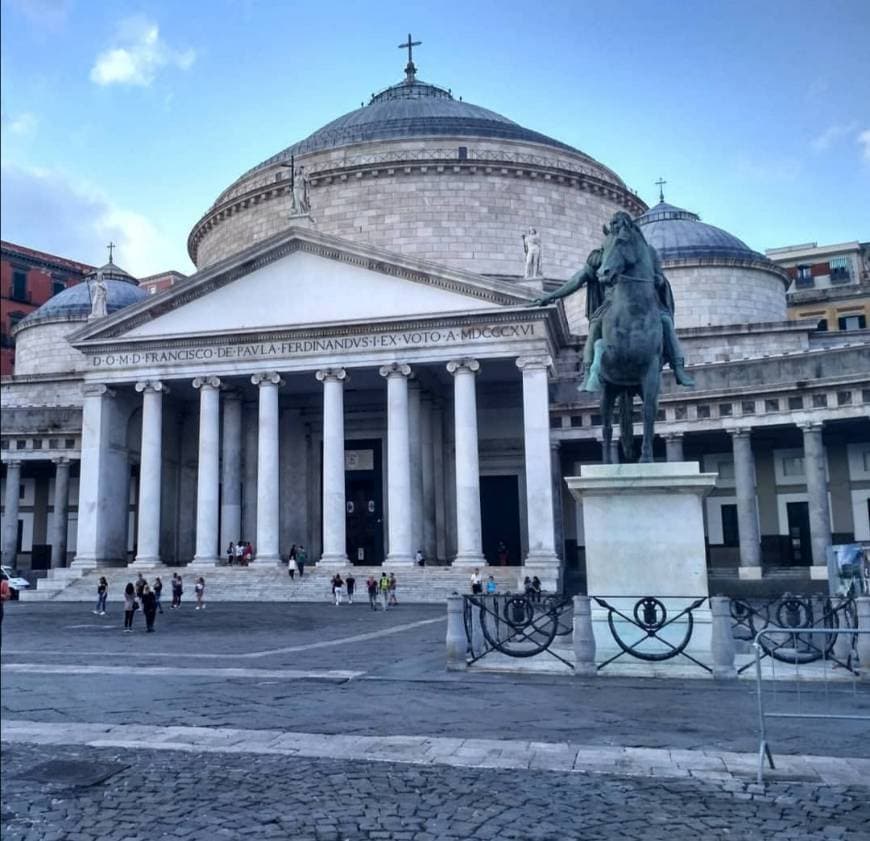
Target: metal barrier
[[793, 613], [651, 622], [515, 625], [812, 695]]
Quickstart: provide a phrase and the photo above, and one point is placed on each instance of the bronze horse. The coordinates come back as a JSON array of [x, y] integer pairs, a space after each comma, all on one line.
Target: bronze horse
[[628, 357]]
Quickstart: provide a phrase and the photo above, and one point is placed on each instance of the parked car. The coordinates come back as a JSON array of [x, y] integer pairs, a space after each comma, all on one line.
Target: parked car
[[16, 582]]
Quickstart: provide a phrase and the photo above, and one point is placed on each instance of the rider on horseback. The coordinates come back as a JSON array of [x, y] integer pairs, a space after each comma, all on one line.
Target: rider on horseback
[[598, 300]]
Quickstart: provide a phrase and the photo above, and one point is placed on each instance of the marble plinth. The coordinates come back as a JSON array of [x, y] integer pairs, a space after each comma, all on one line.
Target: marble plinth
[[644, 532]]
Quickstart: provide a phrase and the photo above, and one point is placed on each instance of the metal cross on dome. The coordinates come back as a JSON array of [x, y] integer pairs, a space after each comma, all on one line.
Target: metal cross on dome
[[660, 184], [410, 68], [111, 246]]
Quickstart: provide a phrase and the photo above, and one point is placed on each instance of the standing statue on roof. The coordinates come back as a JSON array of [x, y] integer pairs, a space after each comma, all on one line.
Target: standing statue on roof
[[99, 295], [532, 249]]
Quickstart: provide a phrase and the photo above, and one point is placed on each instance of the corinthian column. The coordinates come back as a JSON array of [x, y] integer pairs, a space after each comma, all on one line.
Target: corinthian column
[[468, 530], [268, 486], [208, 478], [747, 504], [61, 512], [539, 488], [148, 535], [334, 524], [817, 496], [10, 512], [398, 465], [231, 470]]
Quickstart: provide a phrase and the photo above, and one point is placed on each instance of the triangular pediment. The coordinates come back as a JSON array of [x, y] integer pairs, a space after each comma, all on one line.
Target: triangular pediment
[[304, 278]]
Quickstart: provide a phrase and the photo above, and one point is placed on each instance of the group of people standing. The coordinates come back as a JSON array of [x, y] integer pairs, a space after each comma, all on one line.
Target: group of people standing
[[146, 597], [296, 560], [240, 554]]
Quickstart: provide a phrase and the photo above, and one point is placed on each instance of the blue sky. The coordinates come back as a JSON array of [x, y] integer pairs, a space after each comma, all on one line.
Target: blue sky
[[125, 120]]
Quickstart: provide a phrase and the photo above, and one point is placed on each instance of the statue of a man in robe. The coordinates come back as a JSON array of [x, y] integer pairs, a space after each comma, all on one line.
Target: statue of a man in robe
[[99, 295]]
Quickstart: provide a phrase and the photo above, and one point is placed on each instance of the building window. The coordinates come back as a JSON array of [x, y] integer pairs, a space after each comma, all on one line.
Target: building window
[[748, 407], [69, 443], [804, 277], [660, 415], [725, 410], [771, 405], [852, 322], [53, 444], [4, 444], [576, 420], [680, 413], [703, 412], [19, 285], [57, 286], [844, 398], [555, 422], [822, 326], [596, 420], [865, 395], [839, 269], [795, 403], [820, 401], [20, 444]]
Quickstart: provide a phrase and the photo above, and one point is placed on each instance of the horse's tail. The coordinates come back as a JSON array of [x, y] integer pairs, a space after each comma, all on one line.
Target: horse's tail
[[626, 423]]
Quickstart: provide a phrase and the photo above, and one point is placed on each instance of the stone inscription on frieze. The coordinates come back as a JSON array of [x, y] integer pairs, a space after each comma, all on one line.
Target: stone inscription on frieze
[[289, 348]]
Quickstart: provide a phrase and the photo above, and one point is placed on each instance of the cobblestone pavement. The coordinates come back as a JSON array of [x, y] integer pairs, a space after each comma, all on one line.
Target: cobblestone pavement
[[330, 672], [153, 795]]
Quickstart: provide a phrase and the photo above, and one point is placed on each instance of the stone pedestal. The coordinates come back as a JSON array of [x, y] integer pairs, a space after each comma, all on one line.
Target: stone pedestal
[[644, 532]]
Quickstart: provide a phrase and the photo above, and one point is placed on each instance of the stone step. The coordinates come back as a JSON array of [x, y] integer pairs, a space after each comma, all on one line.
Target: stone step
[[414, 584]]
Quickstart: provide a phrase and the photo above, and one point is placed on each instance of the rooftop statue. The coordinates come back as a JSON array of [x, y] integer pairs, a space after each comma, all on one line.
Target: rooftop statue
[[99, 296], [301, 202], [630, 307], [532, 249]]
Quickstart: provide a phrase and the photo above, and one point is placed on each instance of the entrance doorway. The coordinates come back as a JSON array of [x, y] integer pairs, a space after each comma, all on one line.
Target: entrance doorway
[[500, 518], [798, 514], [363, 491]]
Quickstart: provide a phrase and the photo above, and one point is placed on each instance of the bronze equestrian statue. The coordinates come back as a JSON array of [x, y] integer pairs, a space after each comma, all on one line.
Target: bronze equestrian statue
[[630, 308]]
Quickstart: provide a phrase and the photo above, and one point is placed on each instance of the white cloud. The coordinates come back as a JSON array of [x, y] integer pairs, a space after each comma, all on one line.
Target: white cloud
[[47, 14], [48, 211], [138, 55], [831, 135], [23, 124], [864, 142]]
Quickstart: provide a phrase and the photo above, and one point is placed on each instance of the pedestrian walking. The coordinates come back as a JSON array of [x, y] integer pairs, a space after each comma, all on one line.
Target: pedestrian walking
[[292, 568], [392, 584], [337, 588], [301, 559], [149, 608], [130, 605], [102, 595], [350, 583], [476, 586], [536, 588], [231, 553], [177, 590], [384, 589], [140, 583], [158, 590], [372, 587], [199, 591]]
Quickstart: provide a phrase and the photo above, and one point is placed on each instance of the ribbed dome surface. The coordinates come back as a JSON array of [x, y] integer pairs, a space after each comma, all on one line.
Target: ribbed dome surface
[[679, 234], [75, 302], [412, 109]]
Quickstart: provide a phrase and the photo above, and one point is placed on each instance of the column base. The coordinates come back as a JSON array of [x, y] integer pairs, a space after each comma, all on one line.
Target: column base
[[203, 562], [818, 573], [547, 567], [146, 562], [469, 561], [333, 562], [266, 561], [749, 573], [399, 561], [84, 563]]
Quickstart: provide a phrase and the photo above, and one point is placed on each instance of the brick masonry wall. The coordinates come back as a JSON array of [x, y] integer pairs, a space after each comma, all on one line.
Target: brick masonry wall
[[463, 219], [43, 349]]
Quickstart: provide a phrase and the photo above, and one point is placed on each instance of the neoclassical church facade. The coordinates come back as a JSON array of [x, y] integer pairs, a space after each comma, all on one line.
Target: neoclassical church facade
[[362, 372]]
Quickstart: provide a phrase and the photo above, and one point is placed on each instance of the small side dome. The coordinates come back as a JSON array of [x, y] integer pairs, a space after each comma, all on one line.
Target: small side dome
[[679, 234], [74, 303]]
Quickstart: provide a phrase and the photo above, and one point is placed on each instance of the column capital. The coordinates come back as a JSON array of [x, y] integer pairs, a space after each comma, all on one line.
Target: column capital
[[555, 444], [331, 375], [395, 369], [535, 363], [740, 432], [97, 390], [152, 385], [267, 378], [465, 365], [206, 382], [678, 436], [811, 426], [14, 462], [61, 461]]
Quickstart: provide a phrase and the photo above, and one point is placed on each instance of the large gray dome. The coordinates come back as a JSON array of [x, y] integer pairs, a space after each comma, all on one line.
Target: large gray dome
[[413, 108], [74, 303], [679, 234]]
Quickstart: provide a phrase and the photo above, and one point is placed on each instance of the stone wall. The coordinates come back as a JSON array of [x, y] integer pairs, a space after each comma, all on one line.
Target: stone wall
[[468, 217], [43, 349]]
